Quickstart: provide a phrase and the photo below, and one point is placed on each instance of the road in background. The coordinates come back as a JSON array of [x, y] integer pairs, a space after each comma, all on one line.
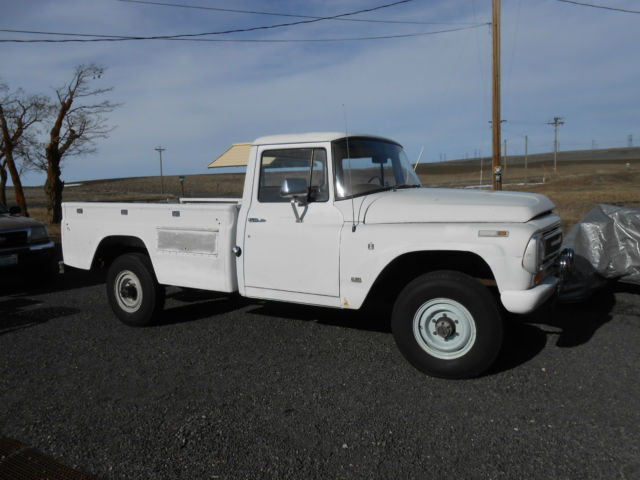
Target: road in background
[[230, 388]]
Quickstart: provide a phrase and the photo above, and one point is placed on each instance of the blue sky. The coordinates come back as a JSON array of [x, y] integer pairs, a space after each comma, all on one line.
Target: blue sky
[[197, 98]]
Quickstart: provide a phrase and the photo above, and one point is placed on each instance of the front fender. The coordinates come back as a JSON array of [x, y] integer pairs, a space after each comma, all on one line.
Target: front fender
[[366, 253]]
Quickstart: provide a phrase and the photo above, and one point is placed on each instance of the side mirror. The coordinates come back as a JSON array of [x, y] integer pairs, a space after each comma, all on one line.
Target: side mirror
[[15, 210], [294, 187]]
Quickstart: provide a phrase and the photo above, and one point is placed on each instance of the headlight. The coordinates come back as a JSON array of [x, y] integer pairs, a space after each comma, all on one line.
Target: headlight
[[533, 254], [38, 234]]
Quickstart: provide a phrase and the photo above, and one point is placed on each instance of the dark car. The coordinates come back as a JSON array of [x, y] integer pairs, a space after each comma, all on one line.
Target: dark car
[[24, 244]]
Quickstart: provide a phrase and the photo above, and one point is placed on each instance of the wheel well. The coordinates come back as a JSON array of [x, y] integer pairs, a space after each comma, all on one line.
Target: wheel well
[[407, 267], [112, 247]]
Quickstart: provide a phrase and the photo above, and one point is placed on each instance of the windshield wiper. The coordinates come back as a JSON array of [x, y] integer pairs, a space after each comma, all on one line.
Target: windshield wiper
[[406, 185]]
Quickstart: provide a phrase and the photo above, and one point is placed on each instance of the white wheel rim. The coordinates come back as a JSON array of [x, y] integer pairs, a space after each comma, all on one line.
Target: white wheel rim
[[127, 291], [444, 328]]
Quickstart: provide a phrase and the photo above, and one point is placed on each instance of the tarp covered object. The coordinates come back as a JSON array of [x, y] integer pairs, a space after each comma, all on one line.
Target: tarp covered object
[[606, 244]]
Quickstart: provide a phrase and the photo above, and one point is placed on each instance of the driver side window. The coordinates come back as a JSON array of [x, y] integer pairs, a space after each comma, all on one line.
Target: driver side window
[[308, 164]]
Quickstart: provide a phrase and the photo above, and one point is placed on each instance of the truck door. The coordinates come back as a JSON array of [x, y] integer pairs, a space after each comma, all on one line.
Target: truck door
[[283, 251]]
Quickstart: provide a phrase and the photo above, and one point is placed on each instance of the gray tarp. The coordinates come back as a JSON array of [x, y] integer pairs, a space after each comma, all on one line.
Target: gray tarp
[[606, 243]]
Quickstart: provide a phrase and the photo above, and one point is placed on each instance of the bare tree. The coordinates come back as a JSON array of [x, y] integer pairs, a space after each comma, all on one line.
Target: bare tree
[[3, 163], [18, 115], [77, 124], [3, 175]]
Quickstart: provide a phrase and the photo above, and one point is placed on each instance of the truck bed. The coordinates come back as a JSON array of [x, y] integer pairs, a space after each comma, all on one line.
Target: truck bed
[[189, 243]]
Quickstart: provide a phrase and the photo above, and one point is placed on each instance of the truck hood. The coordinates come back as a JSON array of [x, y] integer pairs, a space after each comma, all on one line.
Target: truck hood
[[9, 222], [424, 205]]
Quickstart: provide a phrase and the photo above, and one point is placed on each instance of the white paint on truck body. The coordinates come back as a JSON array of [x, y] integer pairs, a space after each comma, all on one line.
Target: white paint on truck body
[[321, 260], [189, 244]]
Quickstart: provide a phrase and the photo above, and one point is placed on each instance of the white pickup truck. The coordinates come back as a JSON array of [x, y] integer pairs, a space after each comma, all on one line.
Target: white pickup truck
[[336, 221]]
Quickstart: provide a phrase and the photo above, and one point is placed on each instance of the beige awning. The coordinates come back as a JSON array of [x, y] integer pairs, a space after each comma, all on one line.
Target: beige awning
[[236, 156]]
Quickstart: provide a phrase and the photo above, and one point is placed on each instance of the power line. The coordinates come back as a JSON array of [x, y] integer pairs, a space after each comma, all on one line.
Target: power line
[[582, 4], [115, 38], [345, 39], [276, 14], [36, 32]]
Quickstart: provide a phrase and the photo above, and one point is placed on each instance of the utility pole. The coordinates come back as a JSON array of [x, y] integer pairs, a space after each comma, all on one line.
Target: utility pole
[[505, 156], [160, 150], [495, 31], [557, 121], [526, 154]]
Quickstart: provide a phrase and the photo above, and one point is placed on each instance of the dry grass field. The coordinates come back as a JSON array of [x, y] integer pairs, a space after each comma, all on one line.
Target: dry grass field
[[577, 186], [580, 181]]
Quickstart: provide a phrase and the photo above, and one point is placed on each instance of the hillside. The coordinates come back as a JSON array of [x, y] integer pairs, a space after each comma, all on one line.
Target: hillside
[[538, 166], [582, 180]]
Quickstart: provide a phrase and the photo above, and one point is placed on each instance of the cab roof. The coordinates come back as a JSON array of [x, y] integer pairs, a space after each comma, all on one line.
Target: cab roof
[[312, 137]]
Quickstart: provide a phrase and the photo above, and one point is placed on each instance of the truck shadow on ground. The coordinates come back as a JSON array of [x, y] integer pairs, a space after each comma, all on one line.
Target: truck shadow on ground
[[371, 318], [569, 325], [199, 304], [18, 308], [20, 313], [22, 282], [188, 305]]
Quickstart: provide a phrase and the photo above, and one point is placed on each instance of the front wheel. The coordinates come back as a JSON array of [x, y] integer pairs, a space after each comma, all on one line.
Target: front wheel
[[133, 291], [447, 324]]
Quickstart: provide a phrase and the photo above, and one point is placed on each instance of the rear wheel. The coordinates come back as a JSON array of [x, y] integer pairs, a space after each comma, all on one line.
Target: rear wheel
[[133, 291], [447, 324]]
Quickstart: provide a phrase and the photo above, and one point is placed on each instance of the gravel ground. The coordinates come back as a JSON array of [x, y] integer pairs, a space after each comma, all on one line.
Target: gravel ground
[[231, 388]]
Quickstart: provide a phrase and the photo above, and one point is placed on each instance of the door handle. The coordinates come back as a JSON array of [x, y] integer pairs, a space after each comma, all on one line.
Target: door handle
[[257, 220]]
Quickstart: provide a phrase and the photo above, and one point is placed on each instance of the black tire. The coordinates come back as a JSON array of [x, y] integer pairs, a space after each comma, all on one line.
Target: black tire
[[133, 291], [447, 324]]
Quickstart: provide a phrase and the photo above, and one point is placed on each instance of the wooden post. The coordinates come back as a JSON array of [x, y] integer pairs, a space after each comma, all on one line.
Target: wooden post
[[556, 121], [160, 150], [505, 156], [526, 154], [495, 124]]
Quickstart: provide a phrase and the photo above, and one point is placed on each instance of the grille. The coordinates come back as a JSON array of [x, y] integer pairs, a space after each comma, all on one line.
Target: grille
[[14, 238], [552, 243]]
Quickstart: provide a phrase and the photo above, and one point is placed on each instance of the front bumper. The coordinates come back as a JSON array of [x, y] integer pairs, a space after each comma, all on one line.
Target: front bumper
[[526, 301], [28, 255]]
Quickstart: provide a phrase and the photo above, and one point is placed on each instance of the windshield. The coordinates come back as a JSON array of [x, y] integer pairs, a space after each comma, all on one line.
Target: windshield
[[366, 165]]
